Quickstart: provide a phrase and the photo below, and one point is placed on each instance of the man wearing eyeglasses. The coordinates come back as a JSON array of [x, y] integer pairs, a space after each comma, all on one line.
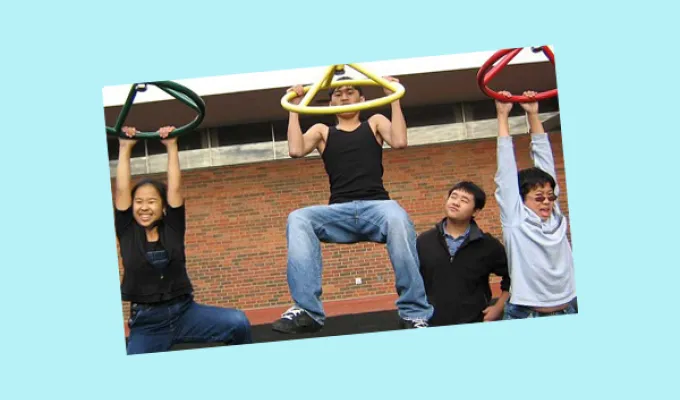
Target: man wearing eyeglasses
[[534, 228]]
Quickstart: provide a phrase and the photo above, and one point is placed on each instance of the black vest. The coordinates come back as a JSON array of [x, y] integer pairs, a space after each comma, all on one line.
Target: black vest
[[353, 162], [144, 280]]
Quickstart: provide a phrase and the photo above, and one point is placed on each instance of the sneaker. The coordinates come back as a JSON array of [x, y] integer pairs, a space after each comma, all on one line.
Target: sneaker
[[296, 320], [413, 323]]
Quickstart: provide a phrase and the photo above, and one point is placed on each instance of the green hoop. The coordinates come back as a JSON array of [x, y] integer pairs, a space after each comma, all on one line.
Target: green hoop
[[179, 92]]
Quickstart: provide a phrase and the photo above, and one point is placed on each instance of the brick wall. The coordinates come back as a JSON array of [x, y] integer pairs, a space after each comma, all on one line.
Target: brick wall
[[236, 219]]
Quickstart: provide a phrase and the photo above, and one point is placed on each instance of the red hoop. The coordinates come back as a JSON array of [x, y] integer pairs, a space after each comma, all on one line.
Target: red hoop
[[488, 71]]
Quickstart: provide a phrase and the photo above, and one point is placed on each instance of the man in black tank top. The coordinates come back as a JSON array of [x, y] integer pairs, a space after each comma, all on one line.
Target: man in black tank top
[[359, 210]]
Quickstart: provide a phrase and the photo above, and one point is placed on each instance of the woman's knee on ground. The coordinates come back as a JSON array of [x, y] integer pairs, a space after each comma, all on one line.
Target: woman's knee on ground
[[235, 324]]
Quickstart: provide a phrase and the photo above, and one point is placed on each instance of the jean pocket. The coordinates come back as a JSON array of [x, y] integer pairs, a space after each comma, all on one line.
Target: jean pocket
[[513, 311], [136, 312], [570, 309]]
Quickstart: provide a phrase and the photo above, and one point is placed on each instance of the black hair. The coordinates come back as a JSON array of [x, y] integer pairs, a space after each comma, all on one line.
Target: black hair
[[477, 193], [345, 78], [532, 178]]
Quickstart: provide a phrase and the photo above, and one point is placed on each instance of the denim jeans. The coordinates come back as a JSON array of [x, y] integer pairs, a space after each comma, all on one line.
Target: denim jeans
[[156, 328], [514, 311], [378, 221]]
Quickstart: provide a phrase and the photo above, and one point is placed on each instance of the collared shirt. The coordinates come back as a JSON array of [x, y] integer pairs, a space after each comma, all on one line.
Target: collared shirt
[[454, 243]]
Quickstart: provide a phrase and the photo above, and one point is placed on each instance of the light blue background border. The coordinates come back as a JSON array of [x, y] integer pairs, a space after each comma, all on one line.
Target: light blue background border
[[61, 326]]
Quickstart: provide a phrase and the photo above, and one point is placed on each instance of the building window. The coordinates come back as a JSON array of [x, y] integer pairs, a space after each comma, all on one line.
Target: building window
[[306, 121], [486, 109], [114, 145], [549, 105], [233, 135], [195, 140], [435, 114]]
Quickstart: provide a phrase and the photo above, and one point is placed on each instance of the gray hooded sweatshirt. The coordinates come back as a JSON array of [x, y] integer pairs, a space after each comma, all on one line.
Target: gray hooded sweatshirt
[[539, 253]]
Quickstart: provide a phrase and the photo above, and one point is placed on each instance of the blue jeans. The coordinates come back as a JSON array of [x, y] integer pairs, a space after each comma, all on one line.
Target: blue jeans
[[378, 221], [156, 328], [514, 311]]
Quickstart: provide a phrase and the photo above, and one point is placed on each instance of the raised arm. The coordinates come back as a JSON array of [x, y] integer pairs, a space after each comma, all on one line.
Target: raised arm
[[175, 195], [299, 144], [541, 151], [392, 132], [123, 198], [507, 186]]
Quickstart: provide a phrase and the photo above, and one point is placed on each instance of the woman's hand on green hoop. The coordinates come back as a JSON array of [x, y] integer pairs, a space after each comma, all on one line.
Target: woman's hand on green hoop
[[164, 132], [130, 132], [128, 141]]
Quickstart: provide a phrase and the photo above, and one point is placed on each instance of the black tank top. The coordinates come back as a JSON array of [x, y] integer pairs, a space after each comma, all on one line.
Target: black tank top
[[353, 162]]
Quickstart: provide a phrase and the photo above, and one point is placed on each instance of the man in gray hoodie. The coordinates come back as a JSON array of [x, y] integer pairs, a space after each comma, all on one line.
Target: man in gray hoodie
[[534, 228]]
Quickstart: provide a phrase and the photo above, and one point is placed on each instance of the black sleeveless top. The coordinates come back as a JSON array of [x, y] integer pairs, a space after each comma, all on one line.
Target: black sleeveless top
[[353, 162], [154, 272]]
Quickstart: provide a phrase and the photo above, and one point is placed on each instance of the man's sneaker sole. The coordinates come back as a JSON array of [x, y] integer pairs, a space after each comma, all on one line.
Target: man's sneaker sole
[[406, 324]]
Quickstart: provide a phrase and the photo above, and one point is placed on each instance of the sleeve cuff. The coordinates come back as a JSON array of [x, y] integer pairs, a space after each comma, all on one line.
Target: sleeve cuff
[[122, 212]]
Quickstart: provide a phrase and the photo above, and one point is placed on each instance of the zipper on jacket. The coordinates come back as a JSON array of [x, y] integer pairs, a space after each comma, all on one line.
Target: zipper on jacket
[[446, 246]]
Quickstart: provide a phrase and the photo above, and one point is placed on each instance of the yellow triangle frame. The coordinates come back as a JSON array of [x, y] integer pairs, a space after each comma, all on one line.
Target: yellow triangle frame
[[327, 82]]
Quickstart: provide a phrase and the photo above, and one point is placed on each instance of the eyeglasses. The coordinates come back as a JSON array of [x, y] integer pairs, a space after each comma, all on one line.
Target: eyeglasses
[[541, 198]]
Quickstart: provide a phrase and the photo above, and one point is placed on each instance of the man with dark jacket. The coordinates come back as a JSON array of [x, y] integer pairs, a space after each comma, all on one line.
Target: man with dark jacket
[[457, 259]]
